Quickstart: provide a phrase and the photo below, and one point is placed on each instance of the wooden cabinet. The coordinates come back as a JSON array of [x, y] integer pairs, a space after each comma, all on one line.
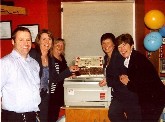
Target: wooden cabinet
[[104, 115], [86, 114]]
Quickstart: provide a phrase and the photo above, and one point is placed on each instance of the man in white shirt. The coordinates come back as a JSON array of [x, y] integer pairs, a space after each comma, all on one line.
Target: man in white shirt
[[20, 80]]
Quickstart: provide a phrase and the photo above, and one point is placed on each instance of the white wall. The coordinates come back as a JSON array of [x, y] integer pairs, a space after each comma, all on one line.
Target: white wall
[[83, 23]]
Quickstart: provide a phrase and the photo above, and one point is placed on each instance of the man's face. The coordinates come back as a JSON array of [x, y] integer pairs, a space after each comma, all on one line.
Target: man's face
[[22, 43]]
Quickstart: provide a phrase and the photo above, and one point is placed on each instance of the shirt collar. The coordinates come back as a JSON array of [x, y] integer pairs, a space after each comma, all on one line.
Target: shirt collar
[[126, 62], [18, 56]]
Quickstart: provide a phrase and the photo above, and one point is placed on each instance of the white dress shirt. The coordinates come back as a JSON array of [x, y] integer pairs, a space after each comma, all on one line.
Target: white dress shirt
[[126, 62], [20, 83]]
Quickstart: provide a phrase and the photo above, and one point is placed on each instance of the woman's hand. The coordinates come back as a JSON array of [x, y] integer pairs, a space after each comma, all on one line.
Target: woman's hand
[[74, 68], [124, 79], [102, 83], [75, 71], [164, 82]]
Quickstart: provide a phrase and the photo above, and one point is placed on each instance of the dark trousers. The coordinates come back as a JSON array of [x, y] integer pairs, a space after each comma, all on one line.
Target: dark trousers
[[56, 101], [10, 116], [43, 114], [120, 111], [54, 113], [151, 112]]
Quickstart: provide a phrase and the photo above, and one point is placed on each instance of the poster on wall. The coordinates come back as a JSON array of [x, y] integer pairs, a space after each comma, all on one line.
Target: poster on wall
[[5, 30], [34, 29]]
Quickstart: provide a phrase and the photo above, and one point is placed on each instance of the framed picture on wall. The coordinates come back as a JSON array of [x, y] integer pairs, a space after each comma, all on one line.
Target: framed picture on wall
[[5, 30], [34, 29]]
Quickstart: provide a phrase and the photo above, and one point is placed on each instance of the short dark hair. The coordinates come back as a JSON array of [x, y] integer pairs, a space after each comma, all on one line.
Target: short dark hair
[[124, 38], [19, 29], [107, 36]]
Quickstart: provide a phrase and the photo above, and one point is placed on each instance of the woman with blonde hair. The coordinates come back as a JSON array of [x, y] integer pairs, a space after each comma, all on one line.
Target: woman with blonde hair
[[59, 65]]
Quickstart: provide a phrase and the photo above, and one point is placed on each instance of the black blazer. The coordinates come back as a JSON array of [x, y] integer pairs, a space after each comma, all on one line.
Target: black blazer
[[54, 77], [144, 79], [113, 71], [36, 54], [115, 68]]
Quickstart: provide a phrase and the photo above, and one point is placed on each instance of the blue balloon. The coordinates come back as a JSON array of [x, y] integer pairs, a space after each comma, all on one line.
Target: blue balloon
[[153, 41], [162, 31]]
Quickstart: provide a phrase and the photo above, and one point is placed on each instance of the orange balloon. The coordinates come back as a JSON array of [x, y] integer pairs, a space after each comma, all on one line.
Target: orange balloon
[[154, 19]]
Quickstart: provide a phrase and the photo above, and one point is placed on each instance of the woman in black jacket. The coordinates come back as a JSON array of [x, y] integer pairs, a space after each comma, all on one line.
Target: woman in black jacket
[[58, 72], [143, 79], [124, 104]]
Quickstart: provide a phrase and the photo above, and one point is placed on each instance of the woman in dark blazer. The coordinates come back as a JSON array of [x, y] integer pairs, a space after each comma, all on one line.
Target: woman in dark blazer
[[143, 79], [58, 72]]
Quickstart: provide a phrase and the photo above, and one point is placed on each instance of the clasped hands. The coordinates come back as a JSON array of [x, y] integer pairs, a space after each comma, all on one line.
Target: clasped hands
[[124, 79]]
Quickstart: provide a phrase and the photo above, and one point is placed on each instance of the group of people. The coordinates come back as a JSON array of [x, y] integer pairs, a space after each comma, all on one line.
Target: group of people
[[138, 93], [32, 79]]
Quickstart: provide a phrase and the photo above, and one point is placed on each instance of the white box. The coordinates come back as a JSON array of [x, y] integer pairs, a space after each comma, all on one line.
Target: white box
[[86, 92]]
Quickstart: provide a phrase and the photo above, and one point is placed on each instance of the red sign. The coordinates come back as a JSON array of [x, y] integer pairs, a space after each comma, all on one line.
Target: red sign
[[102, 96]]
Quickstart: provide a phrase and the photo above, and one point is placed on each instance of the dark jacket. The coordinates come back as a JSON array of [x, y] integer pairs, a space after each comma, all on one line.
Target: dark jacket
[[144, 79], [113, 71], [36, 54], [54, 77]]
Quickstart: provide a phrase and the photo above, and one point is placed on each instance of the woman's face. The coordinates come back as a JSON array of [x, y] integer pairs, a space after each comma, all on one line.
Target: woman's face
[[58, 48], [125, 49], [45, 42], [107, 46]]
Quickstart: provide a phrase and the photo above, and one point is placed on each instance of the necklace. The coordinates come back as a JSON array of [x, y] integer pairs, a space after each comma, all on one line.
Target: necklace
[[44, 59], [45, 62]]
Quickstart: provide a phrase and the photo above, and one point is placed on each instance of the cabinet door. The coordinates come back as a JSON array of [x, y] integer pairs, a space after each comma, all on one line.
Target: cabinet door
[[82, 115], [104, 115]]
